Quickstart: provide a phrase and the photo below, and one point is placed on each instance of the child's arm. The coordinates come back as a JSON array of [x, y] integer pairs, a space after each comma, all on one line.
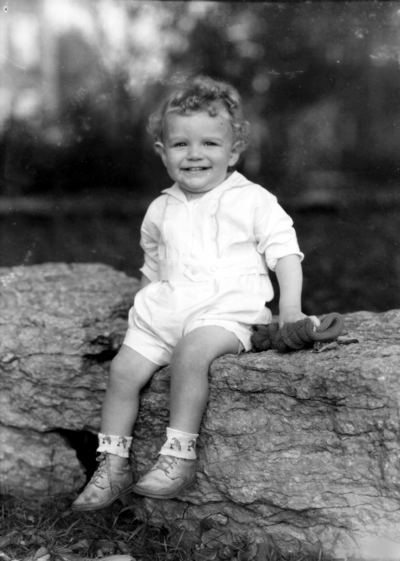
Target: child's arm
[[290, 278], [149, 240]]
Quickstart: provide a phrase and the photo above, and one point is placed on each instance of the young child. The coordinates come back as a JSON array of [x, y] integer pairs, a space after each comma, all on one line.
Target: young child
[[208, 242]]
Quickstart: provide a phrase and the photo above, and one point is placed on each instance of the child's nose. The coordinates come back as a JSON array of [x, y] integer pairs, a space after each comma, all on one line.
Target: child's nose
[[194, 152]]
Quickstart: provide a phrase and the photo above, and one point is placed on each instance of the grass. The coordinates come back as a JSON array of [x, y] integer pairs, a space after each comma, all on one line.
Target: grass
[[49, 531]]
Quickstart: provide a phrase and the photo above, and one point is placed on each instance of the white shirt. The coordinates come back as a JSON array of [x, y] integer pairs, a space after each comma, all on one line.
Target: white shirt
[[207, 259], [236, 228]]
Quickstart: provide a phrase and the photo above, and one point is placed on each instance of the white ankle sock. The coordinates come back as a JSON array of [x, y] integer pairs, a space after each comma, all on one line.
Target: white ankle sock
[[118, 445], [180, 444]]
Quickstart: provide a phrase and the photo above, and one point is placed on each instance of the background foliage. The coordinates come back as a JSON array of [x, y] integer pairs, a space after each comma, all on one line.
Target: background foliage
[[320, 84]]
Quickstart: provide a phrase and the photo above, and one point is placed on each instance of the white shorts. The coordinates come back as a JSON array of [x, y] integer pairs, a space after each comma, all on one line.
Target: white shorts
[[163, 314], [145, 342]]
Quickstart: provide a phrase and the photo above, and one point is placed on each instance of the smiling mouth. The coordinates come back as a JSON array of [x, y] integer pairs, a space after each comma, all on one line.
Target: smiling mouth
[[193, 169]]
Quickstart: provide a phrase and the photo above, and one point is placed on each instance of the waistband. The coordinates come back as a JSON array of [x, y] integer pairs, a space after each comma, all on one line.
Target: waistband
[[200, 271]]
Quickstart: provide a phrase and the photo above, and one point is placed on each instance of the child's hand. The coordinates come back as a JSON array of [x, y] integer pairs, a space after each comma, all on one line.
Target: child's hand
[[293, 314]]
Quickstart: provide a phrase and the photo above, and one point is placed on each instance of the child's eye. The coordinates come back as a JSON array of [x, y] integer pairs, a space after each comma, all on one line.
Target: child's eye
[[179, 144], [210, 143]]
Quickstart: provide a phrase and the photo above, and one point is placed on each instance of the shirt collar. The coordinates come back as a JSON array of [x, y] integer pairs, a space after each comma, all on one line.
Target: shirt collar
[[234, 180]]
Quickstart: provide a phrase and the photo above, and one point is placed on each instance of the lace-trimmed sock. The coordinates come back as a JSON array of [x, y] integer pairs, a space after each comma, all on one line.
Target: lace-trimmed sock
[[117, 445], [180, 444]]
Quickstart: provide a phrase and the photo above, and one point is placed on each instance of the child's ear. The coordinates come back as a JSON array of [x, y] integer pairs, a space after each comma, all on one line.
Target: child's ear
[[159, 148], [236, 150]]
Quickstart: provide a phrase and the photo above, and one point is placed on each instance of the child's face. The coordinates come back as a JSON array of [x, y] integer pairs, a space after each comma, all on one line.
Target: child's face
[[197, 150]]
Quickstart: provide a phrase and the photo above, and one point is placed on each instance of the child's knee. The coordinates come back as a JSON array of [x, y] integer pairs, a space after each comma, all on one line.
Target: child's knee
[[130, 369], [204, 344], [189, 353]]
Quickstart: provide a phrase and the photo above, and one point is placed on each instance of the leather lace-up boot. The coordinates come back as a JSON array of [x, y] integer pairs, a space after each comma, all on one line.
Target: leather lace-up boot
[[111, 481], [167, 478]]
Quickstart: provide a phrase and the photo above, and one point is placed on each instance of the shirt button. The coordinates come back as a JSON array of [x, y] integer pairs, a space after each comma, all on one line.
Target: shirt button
[[194, 272], [213, 269]]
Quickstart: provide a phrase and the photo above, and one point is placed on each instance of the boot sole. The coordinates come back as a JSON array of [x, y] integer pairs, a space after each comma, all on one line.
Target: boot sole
[[157, 496], [88, 507]]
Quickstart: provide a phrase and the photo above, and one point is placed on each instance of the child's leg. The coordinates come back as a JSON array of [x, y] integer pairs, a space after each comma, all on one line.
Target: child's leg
[[129, 372], [190, 362]]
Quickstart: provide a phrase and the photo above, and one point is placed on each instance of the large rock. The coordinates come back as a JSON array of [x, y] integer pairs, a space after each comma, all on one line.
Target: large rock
[[302, 449], [37, 464], [59, 326]]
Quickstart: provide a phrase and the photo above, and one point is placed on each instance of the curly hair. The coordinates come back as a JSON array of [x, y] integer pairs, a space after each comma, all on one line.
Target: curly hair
[[203, 94]]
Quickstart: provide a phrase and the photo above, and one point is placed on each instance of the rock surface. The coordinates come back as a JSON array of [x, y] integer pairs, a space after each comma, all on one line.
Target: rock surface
[[59, 326], [302, 449], [36, 464]]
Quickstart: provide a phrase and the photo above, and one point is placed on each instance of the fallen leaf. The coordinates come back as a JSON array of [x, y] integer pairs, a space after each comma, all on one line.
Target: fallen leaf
[[81, 544], [44, 558], [119, 558], [8, 538], [41, 552], [205, 554]]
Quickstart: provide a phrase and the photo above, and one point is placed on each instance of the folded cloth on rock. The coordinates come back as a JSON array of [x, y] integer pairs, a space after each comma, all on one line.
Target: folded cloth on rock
[[297, 335]]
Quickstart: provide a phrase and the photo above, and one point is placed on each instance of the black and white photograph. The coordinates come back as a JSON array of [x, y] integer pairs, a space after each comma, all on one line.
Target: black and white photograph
[[199, 280]]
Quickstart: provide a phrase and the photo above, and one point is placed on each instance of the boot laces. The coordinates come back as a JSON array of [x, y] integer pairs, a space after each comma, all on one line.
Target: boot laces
[[99, 473], [165, 463]]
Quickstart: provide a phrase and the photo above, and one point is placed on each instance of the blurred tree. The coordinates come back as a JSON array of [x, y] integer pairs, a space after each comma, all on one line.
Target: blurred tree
[[320, 85]]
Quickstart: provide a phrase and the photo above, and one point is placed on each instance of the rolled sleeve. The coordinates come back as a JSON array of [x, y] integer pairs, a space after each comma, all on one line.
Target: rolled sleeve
[[275, 235]]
